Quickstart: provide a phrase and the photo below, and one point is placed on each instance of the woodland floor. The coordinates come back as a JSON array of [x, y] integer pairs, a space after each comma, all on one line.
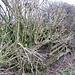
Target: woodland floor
[[66, 62]]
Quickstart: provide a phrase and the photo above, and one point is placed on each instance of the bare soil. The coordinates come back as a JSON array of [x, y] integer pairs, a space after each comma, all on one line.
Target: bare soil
[[66, 62]]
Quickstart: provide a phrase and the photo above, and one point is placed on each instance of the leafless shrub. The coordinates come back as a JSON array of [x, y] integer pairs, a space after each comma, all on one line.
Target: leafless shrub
[[25, 27]]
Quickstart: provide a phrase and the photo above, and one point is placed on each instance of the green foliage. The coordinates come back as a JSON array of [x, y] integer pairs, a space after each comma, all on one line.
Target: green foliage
[[63, 72]]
